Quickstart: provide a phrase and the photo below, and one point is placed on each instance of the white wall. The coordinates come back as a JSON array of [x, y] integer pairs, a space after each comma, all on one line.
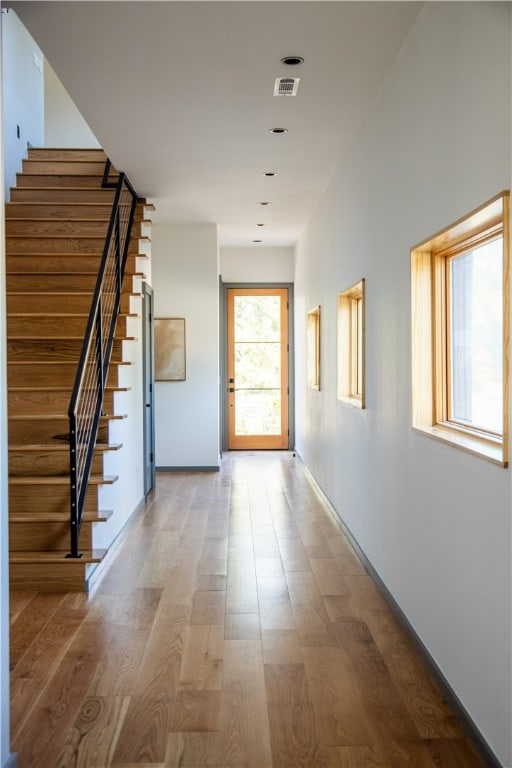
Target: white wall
[[4, 544], [23, 95], [127, 493], [185, 267], [64, 126], [435, 522], [257, 265]]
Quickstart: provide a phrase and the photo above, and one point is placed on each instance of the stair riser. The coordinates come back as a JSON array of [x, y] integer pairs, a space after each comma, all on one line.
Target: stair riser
[[54, 431], [49, 577], [53, 350], [29, 228], [43, 245], [56, 283], [62, 180], [56, 402], [42, 326], [50, 499], [67, 245], [35, 211], [44, 536], [41, 463], [58, 153], [46, 375], [74, 303], [46, 194], [53, 166], [48, 327], [30, 264]]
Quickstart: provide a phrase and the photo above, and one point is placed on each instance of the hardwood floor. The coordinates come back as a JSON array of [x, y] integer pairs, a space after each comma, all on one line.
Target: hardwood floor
[[235, 627]]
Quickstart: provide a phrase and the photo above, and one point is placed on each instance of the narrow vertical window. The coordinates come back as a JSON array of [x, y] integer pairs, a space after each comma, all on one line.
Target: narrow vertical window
[[475, 346], [351, 346], [313, 348]]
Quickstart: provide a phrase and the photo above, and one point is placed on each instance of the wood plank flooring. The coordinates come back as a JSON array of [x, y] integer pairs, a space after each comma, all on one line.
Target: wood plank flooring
[[235, 627]]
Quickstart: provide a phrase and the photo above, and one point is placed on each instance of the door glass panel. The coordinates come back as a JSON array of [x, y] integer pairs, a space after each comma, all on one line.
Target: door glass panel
[[257, 318], [258, 365], [258, 412], [257, 361]]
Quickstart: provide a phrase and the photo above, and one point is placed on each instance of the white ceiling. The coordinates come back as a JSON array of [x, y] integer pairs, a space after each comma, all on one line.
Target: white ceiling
[[180, 94]]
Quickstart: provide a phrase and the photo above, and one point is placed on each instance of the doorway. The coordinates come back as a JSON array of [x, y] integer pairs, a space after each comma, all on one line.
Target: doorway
[[148, 389], [257, 368]]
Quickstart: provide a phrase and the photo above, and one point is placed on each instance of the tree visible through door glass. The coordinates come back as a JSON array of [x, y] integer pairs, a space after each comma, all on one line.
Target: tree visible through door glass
[[257, 340]]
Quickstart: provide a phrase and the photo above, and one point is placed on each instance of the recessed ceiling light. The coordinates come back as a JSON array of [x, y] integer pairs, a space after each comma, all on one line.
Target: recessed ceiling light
[[264, 202], [270, 173], [292, 61], [260, 225], [257, 241], [278, 130]]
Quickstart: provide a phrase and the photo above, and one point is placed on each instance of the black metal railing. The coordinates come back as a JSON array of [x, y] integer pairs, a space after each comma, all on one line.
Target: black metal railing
[[85, 408]]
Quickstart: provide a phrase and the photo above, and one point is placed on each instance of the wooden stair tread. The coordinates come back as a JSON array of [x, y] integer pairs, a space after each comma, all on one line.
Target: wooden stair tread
[[65, 254], [55, 517], [12, 204], [95, 175], [62, 389], [62, 314], [48, 337], [53, 416], [51, 160], [78, 166], [88, 556], [53, 220], [15, 210], [36, 235], [60, 362], [59, 480], [93, 188], [64, 447], [52, 151], [45, 236], [59, 293], [66, 235], [48, 293], [72, 273]]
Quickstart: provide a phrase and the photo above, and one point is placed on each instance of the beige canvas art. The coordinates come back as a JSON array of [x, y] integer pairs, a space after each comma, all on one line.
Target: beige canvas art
[[170, 349]]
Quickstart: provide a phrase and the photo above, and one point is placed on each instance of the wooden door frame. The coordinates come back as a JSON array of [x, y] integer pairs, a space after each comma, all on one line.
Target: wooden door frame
[[223, 395]]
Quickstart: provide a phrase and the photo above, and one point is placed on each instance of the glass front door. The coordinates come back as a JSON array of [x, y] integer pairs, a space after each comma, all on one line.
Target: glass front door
[[258, 368]]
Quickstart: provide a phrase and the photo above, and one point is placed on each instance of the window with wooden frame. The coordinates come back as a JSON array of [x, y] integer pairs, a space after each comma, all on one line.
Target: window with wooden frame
[[460, 332], [313, 348], [351, 345]]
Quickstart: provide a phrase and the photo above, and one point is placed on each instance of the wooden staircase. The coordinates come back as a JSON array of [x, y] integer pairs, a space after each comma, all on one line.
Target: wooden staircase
[[56, 223]]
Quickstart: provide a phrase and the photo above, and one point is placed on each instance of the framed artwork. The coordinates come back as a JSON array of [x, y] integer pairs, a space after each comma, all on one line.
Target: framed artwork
[[170, 349], [313, 348]]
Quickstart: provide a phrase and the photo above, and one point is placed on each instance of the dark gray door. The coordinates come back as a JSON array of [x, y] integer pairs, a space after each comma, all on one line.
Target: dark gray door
[[148, 388]]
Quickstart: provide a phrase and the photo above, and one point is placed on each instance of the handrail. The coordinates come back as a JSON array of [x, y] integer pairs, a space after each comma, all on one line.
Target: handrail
[[86, 402]]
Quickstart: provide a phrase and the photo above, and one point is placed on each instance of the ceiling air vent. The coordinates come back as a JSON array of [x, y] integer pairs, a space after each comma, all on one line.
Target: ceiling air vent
[[286, 86]]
